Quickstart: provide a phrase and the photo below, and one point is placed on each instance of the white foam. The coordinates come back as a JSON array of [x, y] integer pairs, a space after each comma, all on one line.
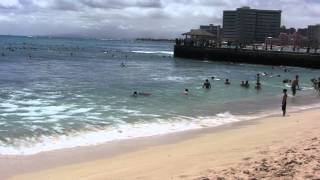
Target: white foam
[[8, 107], [154, 52], [172, 78], [80, 110], [122, 130]]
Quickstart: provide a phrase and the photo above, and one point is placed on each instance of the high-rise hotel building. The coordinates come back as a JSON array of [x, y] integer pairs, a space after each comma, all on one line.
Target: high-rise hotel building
[[246, 25]]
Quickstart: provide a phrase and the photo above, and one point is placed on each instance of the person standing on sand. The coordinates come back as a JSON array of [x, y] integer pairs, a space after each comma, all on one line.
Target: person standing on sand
[[284, 102], [318, 85], [295, 85]]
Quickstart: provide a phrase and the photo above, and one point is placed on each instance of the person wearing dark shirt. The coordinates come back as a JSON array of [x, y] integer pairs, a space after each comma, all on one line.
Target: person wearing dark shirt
[[206, 84], [227, 82], [295, 85], [284, 102]]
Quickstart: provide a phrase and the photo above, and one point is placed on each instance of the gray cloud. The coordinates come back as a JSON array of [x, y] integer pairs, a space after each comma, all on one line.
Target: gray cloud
[[135, 18]]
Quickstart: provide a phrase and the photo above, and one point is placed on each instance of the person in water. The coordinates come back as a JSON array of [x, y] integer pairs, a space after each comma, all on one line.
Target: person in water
[[123, 65], [227, 82], [186, 92], [295, 85], [286, 81], [206, 84], [246, 85], [258, 86], [284, 102], [258, 78], [136, 94]]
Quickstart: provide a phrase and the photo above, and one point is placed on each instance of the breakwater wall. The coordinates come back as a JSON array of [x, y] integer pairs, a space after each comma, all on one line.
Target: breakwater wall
[[275, 58]]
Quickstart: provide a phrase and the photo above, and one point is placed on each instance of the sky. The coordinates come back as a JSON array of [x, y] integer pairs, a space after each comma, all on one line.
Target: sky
[[135, 18]]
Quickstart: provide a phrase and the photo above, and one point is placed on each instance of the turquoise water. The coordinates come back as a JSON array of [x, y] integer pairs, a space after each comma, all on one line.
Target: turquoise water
[[59, 93]]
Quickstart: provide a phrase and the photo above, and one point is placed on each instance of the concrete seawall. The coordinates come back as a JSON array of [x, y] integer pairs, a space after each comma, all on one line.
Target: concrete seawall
[[249, 56]]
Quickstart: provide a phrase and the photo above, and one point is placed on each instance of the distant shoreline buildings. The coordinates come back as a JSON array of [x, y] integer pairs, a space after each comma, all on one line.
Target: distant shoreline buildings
[[245, 26]]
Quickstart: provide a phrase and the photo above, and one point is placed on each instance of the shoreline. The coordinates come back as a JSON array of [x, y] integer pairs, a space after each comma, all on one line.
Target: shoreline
[[46, 161], [205, 123]]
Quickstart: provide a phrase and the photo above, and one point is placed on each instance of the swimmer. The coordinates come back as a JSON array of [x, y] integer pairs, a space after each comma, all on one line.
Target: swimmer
[[227, 82], [258, 78], [123, 65], [258, 86], [286, 81], [206, 84], [247, 85], [295, 85], [186, 92], [136, 94], [314, 82]]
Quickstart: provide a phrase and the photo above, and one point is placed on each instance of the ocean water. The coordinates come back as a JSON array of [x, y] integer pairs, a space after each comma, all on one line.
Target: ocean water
[[60, 93]]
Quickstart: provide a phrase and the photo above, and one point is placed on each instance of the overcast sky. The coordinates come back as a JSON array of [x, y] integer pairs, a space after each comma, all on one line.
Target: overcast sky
[[135, 18]]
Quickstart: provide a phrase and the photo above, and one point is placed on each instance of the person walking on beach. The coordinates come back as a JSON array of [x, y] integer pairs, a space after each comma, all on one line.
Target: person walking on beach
[[206, 84], [295, 85], [284, 102]]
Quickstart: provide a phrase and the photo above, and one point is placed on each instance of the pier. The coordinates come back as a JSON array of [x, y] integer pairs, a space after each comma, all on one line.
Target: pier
[[238, 55]]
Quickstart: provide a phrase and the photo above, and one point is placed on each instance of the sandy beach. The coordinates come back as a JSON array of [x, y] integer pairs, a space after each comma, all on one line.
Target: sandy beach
[[269, 148]]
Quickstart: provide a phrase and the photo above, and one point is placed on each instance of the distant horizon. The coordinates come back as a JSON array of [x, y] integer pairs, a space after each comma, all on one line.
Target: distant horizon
[[84, 37], [130, 19]]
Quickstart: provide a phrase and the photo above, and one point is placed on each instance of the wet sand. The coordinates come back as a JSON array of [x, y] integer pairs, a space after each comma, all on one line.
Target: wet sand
[[270, 148]]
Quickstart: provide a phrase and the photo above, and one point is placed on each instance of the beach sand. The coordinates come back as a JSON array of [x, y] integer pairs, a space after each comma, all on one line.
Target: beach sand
[[271, 148]]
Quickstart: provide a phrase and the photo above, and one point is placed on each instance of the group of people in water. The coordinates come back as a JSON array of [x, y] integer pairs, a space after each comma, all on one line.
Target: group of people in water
[[245, 84]]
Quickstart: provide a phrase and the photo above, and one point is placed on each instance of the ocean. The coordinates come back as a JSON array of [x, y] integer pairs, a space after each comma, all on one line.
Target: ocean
[[60, 93]]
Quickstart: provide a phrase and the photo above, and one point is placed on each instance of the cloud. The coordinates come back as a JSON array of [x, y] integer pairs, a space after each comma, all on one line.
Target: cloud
[[9, 4], [135, 18], [116, 4]]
